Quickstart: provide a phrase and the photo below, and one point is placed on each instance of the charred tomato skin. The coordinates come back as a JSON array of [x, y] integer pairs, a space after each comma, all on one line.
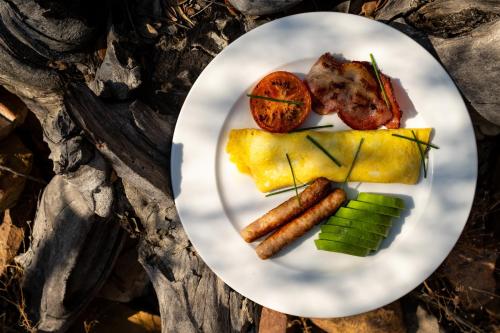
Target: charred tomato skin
[[280, 117]]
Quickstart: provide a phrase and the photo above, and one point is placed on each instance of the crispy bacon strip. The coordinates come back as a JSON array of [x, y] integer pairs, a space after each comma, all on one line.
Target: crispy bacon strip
[[395, 109], [287, 210], [352, 90]]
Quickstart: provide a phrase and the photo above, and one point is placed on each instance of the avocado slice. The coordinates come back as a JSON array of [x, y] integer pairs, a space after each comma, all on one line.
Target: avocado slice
[[382, 200], [352, 231], [370, 207], [350, 239], [335, 246], [378, 229], [364, 216]]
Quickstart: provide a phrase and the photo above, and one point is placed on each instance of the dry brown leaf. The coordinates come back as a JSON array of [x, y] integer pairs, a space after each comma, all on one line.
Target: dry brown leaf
[[233, 11], [272, 321], [151, 30], [369, 8], [147, 321], [11, 238], [383, 320], [116, 317], [12, 112]]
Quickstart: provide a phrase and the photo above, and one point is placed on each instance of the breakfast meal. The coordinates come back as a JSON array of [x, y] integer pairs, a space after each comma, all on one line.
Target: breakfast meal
[[284, 157], [384, 158]]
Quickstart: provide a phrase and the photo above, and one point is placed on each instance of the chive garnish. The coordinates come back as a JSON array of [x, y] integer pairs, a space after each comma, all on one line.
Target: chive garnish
[[293, 176], [422, 155], [311, 128], [354, 160], [320, 147], [375, 69], [275, 99], [427, 144], [286, 190]]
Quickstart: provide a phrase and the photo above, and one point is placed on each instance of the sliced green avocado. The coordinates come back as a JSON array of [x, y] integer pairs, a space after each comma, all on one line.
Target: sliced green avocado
[[352, 231], [364, 216], [334, 246], [365, 226], [382, 200], [350, 239], [360, 205]]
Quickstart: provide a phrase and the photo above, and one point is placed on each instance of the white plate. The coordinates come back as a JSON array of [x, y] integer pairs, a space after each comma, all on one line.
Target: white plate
[[214, 200]]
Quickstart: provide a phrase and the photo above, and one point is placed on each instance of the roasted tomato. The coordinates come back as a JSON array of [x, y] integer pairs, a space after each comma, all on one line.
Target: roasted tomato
[[290, 107]]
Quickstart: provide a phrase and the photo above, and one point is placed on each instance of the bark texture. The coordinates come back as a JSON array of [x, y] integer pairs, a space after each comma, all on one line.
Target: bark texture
[[110, 154], [464, 36], [136, 141], [69, 258]]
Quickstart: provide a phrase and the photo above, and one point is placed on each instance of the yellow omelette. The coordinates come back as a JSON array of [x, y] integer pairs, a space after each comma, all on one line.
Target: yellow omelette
[[383, 158]]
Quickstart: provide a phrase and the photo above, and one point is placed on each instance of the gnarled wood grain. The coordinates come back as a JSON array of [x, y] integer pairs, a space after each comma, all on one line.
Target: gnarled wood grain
[[70, 256]]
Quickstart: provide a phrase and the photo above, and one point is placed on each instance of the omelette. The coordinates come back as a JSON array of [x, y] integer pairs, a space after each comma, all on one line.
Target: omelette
[[383, 158]]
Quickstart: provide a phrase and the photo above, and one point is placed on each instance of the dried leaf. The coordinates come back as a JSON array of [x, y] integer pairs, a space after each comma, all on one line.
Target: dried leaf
[[104, 317], [368, 9], [272, 321], [151, 30], [386, 319], [11, 238], [12, 112]]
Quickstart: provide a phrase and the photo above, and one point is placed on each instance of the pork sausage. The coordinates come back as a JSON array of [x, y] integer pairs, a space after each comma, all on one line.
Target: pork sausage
[[287, 210], [300, 225]]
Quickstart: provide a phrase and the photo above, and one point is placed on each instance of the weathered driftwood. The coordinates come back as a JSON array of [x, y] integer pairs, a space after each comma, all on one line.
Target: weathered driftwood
[[76, 237], [75, 242], [448, 18], [473, 61], [70, 257], [464, 36], [190, 296], [119, 74], [397, 8], [201, 302], [262, 7], [128, 280], [113, 130]]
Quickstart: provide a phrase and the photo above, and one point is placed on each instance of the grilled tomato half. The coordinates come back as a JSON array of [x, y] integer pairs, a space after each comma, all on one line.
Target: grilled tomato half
[[280, 102]]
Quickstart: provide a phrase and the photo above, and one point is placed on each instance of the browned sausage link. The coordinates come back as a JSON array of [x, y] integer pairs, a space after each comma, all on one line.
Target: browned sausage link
[[300, 225], [287, 210]]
